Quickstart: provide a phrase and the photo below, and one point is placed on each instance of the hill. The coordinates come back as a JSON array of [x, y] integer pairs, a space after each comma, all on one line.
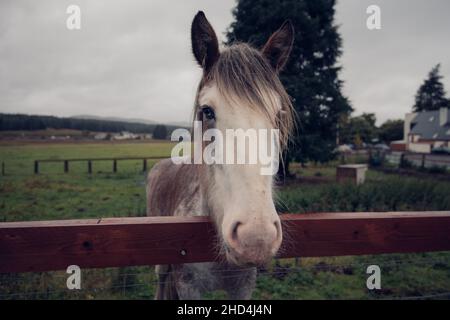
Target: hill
[[12, 122], [115, 119]]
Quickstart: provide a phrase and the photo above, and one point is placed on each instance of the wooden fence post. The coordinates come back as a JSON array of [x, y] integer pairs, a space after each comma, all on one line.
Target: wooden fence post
[[66, 166], [36, 167], [144, 165], [89, 166], [114, 165]]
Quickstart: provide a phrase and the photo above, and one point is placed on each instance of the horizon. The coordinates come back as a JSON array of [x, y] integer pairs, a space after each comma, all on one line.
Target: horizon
[[103, 118], [118, 58]]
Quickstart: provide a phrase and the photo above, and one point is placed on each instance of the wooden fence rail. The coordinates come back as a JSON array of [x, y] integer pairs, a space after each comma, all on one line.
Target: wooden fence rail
[[117, 242], [91, 160]]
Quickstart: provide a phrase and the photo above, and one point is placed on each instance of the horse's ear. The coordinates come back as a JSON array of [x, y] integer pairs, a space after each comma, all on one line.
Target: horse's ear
[[204, 42], [279, 46]]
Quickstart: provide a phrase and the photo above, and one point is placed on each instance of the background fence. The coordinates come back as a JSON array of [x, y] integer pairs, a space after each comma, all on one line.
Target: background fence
[[420, 160], [90, 162]]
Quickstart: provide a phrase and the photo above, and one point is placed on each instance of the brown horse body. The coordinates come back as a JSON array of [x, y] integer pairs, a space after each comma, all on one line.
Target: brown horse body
[[177, 190]]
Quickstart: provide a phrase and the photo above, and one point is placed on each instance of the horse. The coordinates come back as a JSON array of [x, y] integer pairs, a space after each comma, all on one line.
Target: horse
[[239, 88]]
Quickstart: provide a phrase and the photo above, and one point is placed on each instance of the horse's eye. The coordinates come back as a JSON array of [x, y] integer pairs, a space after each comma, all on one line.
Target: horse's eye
[[208, 112]]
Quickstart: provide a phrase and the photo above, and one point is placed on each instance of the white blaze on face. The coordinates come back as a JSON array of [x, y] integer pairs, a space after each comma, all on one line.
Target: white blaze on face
[[241, 196]]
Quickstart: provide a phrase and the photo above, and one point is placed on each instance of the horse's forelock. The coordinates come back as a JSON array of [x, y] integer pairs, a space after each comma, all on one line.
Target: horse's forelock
[[242, 75]]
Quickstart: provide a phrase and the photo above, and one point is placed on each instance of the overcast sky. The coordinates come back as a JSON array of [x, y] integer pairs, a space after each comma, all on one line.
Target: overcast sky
[[133, 58]]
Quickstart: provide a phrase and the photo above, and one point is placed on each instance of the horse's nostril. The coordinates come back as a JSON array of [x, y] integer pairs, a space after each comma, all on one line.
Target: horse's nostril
[[234, 231]]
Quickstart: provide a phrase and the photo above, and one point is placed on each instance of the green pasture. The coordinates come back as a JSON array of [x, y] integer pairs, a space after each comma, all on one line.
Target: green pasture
[[55, 195]]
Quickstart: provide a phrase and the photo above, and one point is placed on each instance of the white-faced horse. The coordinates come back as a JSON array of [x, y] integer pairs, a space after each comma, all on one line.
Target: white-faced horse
[[240, 89]]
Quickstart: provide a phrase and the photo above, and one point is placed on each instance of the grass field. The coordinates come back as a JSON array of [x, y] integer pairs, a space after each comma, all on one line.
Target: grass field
[[55, 195]]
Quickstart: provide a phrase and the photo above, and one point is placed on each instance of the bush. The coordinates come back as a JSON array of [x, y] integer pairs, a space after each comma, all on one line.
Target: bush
[[390, 194], [405, 163], [437, 170]]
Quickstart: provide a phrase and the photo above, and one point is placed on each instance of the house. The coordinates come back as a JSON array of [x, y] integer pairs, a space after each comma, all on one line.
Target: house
[[425, 131], [101, 136], [124, 135]]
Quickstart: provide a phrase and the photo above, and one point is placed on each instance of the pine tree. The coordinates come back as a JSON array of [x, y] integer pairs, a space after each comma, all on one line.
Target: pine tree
[[431, 94], [311, 75], [160, 132]]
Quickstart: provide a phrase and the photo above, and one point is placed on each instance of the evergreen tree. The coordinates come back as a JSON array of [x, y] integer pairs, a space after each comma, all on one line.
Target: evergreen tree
[[160, 132], [431, 94], [311, 74]]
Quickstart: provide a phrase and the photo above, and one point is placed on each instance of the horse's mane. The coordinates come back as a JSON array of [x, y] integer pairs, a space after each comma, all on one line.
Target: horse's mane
[[242, 74]]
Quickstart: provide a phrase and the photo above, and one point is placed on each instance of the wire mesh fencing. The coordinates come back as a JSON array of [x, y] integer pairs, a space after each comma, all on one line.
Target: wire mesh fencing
[[403, 276]]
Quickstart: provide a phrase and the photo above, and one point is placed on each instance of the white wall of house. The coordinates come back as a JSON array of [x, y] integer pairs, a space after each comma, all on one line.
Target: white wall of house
[[444, 116], [419, 147], [409, 117]]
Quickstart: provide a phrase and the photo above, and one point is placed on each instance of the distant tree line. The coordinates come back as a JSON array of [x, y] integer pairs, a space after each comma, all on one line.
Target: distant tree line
[[362, 129], [11, 122]]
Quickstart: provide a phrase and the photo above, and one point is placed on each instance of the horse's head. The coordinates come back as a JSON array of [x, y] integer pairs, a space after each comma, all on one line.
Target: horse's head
[[240, 89]]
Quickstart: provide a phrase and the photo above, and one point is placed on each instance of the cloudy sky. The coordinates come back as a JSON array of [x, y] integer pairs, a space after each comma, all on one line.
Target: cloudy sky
[[133, 58]]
